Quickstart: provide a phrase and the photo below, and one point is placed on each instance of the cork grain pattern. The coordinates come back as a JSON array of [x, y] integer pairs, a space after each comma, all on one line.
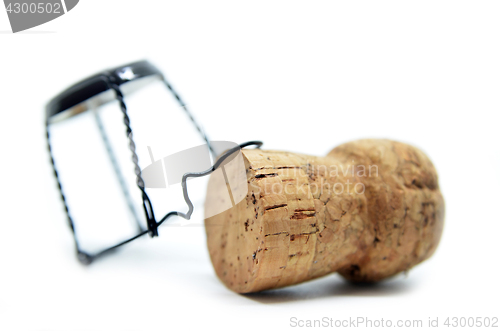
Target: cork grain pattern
[[304, 217]]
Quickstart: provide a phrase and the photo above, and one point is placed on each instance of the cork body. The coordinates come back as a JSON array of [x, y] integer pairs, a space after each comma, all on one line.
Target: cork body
[[368, 210]]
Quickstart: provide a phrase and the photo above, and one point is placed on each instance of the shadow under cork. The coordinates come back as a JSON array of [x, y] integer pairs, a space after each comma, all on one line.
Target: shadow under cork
[[334, 286]]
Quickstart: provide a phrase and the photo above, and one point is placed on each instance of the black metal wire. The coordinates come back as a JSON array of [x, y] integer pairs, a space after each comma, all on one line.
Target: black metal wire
[[150, 218], [81, 257], [187, 215], [188, 113], [116, 168], [152, 224], [201, 174]]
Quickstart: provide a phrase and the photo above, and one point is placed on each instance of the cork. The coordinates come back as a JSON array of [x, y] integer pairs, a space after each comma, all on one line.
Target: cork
[[369, 210]]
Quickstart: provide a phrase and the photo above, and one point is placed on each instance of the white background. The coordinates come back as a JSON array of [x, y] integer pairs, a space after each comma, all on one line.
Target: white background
[[301, 76]]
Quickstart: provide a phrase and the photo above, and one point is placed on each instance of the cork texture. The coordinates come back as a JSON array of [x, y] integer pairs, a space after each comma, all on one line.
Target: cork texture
[[368, 210]]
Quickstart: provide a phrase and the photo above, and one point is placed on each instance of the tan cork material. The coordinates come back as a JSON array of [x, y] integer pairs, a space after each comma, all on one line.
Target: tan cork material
[[368, 210]]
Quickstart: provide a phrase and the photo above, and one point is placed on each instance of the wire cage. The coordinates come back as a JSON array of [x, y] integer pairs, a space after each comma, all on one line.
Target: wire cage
[[114, 85]]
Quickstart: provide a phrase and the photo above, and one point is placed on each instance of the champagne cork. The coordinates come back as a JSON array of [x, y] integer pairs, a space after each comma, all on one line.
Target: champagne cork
[[369, 210]]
